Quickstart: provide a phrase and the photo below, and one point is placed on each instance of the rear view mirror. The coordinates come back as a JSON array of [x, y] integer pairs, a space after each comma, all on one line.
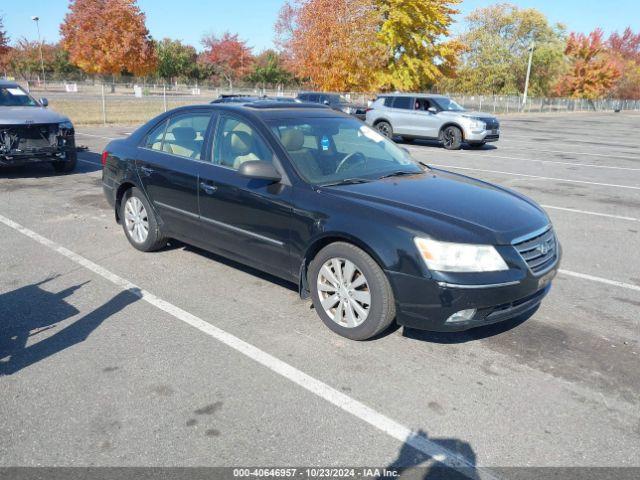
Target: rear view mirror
[[259, 169], [44, 102], [432, 110]]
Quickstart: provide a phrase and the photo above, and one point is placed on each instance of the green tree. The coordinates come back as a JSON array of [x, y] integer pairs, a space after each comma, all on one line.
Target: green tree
[[496, 51], [176, 60], [268, 69]]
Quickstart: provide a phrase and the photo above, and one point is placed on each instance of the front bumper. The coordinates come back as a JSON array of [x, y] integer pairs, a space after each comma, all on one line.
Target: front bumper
[[427, 304], [476, 136]]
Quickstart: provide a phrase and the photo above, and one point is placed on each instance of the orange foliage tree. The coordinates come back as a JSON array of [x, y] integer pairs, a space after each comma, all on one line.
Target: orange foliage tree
[[4, 45], [591, 73], [332, 44], [624, 51], [228, 56], [108, 37]]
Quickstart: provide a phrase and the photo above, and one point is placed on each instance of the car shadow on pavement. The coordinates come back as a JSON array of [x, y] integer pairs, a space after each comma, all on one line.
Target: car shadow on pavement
[[437, 144], [31, 311], [412, 463], [236, 265], [474, 334], [88, 162]]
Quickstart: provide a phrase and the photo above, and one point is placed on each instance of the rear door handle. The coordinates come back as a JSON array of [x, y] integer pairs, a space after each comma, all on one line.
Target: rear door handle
[[147, 171], [208, 189]]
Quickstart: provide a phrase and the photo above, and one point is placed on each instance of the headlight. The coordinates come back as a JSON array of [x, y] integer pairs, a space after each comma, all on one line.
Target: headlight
[[478, 125], [459, 257], [66, 126]]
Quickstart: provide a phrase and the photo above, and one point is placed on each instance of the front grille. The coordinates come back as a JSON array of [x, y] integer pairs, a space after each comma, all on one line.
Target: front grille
[[492, 123], [540, 251]]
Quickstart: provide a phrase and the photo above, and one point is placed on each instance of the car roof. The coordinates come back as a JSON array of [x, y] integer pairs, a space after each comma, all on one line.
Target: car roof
[[8, 83], [412, 95], [266, 110]]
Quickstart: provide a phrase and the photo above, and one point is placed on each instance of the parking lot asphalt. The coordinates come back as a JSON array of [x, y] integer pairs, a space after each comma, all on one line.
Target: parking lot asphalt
[[92, 372]]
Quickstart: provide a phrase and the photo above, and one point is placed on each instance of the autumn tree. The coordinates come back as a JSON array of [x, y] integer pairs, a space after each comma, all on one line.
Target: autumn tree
[[331, 43], [496, 51], [591, 73], [24, 61], [5, 49], [108, 37], [624, 51], [175, 59], [268, 69], [229, 57], [411, 33]]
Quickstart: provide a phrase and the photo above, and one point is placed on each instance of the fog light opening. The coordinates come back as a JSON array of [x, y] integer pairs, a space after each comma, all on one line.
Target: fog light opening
[[462, 316]]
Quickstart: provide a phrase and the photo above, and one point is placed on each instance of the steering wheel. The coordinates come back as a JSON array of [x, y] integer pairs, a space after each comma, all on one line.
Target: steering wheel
[[350, 161]]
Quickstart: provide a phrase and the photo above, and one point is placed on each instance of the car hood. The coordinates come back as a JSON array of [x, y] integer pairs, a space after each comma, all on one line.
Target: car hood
[[467, 114], [459, 208], [25, 115]]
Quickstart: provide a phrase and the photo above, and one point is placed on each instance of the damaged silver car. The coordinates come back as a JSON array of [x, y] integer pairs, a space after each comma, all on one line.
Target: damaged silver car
[[30, 133]]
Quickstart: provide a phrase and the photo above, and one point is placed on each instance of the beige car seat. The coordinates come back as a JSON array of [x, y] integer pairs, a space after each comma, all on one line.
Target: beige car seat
[[293, 141], [184, 143]]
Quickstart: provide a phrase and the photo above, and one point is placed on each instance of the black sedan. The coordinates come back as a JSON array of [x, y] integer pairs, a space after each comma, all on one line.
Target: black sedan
[[317, 198]]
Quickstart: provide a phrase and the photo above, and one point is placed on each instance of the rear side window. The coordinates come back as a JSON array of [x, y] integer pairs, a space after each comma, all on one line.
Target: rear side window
[[185, 135], [405, 103], [388, 101], [313, 98], [155, 137]]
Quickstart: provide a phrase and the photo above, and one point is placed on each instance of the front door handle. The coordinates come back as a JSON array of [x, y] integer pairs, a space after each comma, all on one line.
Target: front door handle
[[208, 189], [147, 171]]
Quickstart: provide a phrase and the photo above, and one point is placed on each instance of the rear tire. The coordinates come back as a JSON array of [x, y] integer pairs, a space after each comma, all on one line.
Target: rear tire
[[451, 138], [139, 222], [350, 292], [68, 165], [384, 128]]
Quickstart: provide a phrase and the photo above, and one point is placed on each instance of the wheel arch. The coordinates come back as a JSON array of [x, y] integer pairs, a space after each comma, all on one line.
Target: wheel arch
[[321, 242], [451, 124]]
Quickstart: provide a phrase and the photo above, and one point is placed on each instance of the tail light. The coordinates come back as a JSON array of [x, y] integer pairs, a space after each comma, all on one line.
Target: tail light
[[103, 159], [367, 110]]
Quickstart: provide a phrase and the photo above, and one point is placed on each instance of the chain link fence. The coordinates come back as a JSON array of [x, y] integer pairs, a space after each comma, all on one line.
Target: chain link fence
[[94, 103]]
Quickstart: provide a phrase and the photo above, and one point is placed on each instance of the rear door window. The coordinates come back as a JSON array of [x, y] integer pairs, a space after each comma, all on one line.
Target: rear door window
[[404, 103], [155, 137], [185, 134]]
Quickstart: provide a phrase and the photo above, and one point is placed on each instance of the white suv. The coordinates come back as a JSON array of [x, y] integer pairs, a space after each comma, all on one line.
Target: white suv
[[435, 117]]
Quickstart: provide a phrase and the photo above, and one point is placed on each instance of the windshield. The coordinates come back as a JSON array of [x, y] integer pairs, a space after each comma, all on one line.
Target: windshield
[[15, 97], [335, 150], [449, 105]]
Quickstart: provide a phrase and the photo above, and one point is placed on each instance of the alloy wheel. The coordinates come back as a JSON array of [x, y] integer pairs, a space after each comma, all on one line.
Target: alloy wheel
[[344, 292], [384, 129], [136, 220]]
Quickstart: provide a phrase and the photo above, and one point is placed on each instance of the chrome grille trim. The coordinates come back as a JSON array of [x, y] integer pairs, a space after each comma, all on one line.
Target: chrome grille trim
[[539, 250]]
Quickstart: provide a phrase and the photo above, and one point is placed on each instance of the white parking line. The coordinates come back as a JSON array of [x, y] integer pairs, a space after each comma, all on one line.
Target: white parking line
[[313, 385], [587, 212], [490, 155], [607, 155], [606, 281], [97, 136], [534, 176]]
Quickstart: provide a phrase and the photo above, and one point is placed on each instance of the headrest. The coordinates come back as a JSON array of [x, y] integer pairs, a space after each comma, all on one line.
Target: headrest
[[184, 134], [240, 142], [292, 139]]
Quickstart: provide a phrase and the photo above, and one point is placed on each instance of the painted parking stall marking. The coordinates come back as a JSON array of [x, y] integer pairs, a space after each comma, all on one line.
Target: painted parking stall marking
[[344, 402]]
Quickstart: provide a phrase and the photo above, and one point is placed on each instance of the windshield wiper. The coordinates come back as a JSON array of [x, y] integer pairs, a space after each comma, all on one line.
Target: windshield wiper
[[347, 181], [398, 173]]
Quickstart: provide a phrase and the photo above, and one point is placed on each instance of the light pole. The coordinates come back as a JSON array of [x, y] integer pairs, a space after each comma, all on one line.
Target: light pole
[[526, 83], [44, 79]]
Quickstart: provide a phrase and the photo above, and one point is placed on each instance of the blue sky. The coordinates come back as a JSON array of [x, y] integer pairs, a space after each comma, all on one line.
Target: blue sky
[[188, 20]]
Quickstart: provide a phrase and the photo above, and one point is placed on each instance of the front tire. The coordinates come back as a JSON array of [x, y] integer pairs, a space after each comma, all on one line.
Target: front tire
[[68, 165], [451, 138], [384, 128], [139, 222], [350, 292]]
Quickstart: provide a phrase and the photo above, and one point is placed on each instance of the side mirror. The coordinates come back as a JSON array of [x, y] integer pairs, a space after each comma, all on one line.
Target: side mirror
[[432, 110], [259, 169], [44, 102]]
